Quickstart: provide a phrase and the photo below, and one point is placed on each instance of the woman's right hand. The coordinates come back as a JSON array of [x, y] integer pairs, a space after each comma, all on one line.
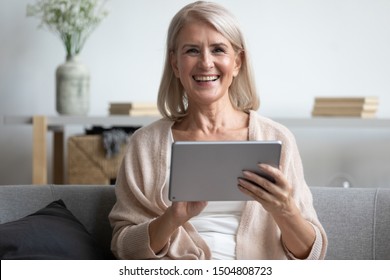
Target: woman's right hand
[[162, 228], [183, 211]]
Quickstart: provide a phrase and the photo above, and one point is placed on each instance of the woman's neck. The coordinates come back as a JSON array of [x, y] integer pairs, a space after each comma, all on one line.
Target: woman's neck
[[212, 123]]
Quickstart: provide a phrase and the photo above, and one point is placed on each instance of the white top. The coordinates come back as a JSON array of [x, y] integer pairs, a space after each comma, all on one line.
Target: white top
[[217, 224]]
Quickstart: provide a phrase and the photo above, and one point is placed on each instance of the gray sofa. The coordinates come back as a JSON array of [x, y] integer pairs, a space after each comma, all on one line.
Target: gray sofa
[[357, 221]]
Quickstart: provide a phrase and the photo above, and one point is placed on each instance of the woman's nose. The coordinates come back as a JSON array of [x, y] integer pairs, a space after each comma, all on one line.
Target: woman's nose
[[206, 60]]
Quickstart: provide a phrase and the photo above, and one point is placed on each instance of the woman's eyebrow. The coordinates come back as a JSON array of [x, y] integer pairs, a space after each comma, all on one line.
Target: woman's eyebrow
[[190, 45], [194, 45], [219, 45]]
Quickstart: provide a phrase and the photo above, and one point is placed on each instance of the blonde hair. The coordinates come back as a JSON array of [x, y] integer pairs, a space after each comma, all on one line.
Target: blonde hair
[[172, 100]]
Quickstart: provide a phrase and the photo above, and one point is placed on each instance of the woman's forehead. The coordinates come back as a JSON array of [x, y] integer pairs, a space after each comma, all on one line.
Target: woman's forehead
[[198, 32]]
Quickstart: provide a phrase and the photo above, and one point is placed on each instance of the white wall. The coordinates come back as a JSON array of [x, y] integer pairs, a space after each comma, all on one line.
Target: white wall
[[300, 49]]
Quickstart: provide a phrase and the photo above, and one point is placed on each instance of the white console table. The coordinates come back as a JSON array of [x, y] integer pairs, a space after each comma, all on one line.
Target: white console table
[[56, 124]]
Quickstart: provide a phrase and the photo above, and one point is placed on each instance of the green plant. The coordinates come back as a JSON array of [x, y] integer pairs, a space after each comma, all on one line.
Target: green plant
[[72, 20]]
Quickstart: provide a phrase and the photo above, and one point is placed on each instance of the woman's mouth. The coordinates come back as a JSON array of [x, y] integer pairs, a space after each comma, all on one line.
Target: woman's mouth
[[210, 78]]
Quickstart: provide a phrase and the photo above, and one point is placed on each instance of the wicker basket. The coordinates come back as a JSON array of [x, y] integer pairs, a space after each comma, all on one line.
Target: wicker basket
[[87, 161]]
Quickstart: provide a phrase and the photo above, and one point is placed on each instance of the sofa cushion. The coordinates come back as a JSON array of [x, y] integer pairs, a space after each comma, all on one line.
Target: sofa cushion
[[50, 233]]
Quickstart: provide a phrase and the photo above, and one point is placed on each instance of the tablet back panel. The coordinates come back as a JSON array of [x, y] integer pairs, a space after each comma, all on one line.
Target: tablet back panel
[[208, 171]]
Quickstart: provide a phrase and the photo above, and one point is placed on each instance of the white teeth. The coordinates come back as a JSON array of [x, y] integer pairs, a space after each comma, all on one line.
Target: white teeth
[[205, 78]]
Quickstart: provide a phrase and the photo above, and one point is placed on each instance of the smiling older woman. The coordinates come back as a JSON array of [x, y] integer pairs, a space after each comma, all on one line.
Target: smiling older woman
[[207, 94]]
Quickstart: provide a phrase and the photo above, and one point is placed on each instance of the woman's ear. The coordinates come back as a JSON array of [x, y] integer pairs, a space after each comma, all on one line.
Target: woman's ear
[[173, 60], [238, 62]]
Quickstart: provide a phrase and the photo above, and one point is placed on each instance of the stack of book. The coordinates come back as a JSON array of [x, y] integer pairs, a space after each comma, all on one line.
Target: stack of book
[[133, 109], [363, 107]]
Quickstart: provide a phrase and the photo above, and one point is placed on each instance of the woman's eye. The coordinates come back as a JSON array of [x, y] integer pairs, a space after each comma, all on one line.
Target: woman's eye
[[192, 51], [219, 50]]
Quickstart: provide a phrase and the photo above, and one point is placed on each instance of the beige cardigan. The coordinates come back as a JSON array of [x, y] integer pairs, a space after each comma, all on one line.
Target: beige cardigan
[[139, 191]]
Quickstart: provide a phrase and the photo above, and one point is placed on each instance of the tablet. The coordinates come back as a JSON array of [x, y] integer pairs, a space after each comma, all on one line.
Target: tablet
[[208, 171]]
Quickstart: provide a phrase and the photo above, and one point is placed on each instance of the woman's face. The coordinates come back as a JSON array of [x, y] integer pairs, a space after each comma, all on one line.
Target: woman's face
[[205, 62]]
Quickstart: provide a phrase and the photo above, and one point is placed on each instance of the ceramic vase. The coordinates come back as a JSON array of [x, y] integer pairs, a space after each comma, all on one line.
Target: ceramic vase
[[72, 87]]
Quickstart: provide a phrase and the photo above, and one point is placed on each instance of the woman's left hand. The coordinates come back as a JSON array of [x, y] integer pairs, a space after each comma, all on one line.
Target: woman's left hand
[[276, 197]]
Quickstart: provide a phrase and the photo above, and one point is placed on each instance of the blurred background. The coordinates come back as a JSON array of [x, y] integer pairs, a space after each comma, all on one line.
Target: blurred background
[[300, 49]]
